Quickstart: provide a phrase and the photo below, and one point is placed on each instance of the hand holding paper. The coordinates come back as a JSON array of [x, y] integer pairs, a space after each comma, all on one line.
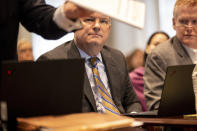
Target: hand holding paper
[[73, 11]]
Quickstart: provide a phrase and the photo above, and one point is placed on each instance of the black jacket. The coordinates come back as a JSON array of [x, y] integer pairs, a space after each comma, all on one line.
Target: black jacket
[[34, 15]]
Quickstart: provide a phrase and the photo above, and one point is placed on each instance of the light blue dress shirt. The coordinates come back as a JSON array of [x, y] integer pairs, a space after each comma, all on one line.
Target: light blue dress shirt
[[103, 76]]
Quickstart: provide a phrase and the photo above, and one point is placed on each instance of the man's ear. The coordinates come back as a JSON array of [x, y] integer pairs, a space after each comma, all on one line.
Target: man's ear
[[174, 23]]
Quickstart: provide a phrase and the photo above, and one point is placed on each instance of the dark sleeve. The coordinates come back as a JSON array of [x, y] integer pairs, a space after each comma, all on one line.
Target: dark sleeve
[[37, 17]]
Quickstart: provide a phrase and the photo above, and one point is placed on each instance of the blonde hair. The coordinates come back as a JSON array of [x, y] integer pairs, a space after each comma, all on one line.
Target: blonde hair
[[189, 3]]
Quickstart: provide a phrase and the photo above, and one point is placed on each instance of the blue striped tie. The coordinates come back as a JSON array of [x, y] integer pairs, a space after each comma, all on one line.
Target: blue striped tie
[[105, 95]]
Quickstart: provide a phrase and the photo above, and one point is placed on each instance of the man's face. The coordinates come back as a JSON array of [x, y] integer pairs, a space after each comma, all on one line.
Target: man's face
[[185, 24], [25, 53], [93, 35]]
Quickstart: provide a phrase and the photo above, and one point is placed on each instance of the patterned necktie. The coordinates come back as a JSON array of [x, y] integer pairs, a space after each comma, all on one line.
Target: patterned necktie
[[105, 95]]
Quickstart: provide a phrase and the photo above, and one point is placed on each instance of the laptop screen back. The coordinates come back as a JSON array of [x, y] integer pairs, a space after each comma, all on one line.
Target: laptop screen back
[[42, 88], [177, 96]]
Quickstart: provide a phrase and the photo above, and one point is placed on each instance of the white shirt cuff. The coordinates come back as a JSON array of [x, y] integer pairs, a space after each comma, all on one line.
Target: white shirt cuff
[[65, 23]]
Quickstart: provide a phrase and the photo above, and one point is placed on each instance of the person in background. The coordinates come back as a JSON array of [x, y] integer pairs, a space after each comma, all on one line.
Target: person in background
[[135, 59], [24, 51], [179, 50], [107, 87], [136, 76], [38, 17]]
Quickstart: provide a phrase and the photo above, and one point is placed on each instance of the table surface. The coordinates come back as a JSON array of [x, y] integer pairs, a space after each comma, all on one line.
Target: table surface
[[169, 121]]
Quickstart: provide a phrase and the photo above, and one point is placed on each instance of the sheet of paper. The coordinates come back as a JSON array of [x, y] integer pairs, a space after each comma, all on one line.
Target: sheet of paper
[[131, 12]]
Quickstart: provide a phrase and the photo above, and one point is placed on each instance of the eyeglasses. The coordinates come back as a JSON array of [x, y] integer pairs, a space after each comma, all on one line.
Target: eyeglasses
[[92, 20], [186, 23]]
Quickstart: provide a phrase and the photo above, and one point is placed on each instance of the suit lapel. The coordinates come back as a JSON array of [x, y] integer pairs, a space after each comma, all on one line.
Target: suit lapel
[[181, 51], [112, 74], [88, 92], [74, 53]]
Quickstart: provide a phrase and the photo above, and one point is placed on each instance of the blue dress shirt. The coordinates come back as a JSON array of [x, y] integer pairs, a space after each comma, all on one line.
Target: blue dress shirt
[[103, 76]]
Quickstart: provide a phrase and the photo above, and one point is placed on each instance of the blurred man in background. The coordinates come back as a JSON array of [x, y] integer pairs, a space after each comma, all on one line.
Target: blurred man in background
[[24, 51]]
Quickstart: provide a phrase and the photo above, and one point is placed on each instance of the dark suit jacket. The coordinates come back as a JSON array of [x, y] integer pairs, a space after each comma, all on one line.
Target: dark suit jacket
[[35, 15], [122, 92], [166, 54]]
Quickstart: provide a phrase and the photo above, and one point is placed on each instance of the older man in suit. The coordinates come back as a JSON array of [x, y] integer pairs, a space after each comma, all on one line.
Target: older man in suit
[[179, 50], [107, 87]]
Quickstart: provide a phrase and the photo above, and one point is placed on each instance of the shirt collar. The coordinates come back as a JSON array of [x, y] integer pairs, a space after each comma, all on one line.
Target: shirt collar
[[86, 56], [192, 53], [190, 50]]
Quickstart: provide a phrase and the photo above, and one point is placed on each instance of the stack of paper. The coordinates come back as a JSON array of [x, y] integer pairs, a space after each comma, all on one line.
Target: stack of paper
[[131, 12]]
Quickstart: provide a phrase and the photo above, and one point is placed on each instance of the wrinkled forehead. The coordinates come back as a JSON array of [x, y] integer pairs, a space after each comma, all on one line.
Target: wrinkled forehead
[[98, 15]]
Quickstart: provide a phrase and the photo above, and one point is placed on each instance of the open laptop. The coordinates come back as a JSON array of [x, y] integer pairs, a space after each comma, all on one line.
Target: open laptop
[[177, 97], [42, 88]]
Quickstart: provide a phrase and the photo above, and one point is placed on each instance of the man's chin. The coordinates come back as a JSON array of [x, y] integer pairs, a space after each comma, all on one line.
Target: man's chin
[[190, 42], [94, 42]]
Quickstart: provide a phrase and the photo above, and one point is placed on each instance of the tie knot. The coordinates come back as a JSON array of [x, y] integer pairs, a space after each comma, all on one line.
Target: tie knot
[[93, 61]]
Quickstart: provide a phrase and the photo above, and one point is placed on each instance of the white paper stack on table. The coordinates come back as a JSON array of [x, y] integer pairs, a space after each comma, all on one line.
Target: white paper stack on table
[[131, 12]]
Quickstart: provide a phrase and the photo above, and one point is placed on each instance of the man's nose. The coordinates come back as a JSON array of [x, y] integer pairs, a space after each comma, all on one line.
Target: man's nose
[[189, 27], [97, 25]]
